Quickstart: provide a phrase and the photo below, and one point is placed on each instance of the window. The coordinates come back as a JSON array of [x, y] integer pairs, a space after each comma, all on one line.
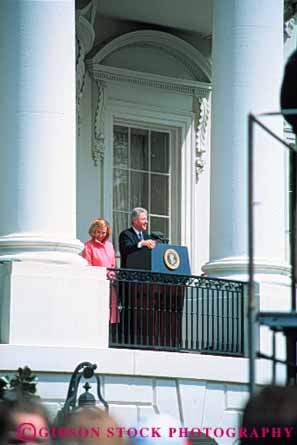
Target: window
[[142, 174]]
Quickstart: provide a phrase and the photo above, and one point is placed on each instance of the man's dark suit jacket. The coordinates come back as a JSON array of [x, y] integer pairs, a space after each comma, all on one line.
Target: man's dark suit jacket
[[128, 241]]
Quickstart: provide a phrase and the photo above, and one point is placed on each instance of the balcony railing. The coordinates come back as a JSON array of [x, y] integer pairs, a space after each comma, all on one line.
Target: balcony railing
[[176, 313]]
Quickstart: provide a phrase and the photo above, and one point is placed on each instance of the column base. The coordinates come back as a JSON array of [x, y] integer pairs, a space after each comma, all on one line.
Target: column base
[[41, 249], [236, 268], [54, 305]]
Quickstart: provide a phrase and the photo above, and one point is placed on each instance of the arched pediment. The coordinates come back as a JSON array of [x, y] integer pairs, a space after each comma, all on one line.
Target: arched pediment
[[155, 52]]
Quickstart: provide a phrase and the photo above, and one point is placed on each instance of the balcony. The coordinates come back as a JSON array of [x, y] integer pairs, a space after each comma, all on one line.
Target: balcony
[[177, 313]]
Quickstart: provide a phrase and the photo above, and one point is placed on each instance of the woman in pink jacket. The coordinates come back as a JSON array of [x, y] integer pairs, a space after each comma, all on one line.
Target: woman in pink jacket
[[98, 251]]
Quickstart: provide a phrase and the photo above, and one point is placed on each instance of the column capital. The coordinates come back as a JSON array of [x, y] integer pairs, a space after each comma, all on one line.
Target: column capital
[[30, 247], [236, 267]]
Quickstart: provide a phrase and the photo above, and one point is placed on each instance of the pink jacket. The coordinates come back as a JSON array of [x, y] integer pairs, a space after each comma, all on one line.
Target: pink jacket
[[102, 254], [99, 254]]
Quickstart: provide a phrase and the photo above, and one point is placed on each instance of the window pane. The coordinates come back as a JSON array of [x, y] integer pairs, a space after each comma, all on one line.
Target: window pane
[[139, 190], [120, 189], [120, 222], [120, 146], [159, 225], [141, 177], [160, 152], [139, 149], [159, 195]]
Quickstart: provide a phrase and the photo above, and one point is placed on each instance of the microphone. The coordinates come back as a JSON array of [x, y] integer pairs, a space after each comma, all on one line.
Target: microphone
[[159, 236]]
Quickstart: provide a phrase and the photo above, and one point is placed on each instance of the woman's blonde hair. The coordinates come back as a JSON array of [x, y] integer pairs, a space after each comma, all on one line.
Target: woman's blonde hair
[[100, 223]]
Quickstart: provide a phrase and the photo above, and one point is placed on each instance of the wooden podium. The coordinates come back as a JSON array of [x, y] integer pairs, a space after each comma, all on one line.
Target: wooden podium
[[157, 305]]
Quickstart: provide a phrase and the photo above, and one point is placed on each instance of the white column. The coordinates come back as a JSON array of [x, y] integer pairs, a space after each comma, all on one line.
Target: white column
[[37, 127], [247, 73]]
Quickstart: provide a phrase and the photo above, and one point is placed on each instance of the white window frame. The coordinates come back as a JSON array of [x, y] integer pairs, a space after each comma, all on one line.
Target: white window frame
[[174, 185], [181, 125]]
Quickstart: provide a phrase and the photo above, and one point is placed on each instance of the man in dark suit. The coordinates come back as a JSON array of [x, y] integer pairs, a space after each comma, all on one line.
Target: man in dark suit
[[136, 303], [136, 236]]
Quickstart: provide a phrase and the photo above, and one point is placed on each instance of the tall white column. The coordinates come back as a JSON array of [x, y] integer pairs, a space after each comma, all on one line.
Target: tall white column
[[247, 72], [37, 127]]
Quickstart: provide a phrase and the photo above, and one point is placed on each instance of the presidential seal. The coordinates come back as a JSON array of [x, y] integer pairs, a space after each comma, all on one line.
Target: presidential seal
[[171, 259]]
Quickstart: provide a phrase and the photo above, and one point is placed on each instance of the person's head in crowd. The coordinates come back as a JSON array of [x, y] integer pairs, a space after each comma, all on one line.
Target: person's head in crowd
[[100, 230], [271, 408], [139, 218], [90, 426], [4, 425], [288, 96], [28, 421], [165, 423]]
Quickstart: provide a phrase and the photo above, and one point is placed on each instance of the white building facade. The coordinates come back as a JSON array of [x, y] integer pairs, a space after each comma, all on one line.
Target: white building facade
[[114, 105]]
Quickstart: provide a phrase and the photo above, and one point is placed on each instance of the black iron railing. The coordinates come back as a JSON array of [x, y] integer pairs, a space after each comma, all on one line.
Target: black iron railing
[[178, 313]]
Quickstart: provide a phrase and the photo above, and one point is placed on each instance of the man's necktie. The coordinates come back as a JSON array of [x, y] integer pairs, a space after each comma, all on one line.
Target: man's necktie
[[140, 236]]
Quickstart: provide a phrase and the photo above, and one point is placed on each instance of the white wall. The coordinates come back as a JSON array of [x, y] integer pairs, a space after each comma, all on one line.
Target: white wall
[[194, 389], [151, 99]]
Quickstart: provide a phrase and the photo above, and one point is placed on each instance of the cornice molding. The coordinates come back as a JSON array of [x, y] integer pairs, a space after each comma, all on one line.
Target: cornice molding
[[98, 147], [290, 18], [111, 74], [289, 27], [80, 78], [290, 9], [85, 32], [199, 91], [189, 56], [202, 111]]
